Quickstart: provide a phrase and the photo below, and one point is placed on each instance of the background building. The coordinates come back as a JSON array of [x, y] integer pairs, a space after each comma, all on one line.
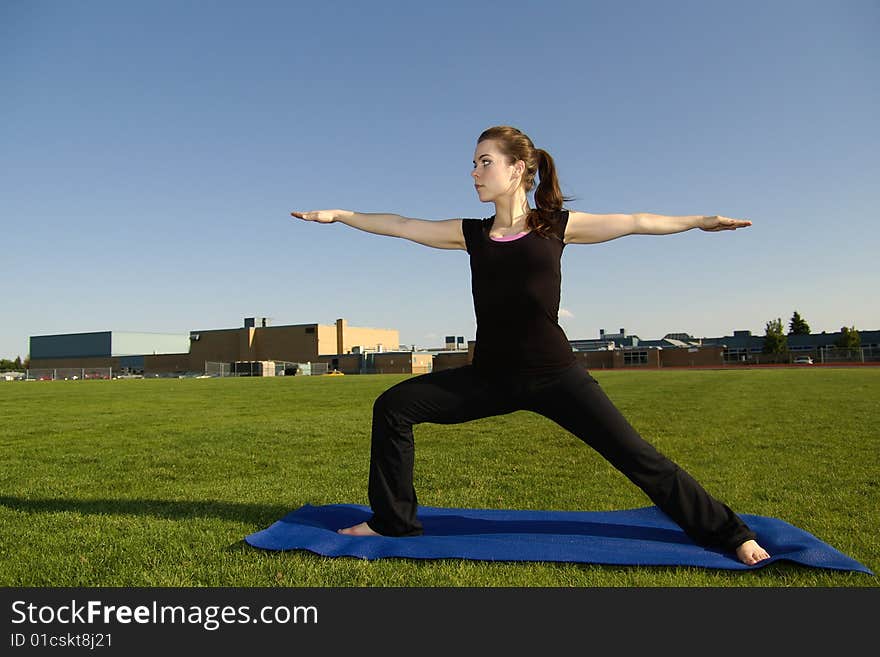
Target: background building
[[744, 348], [121, 351], [257, 346], [255, 341]]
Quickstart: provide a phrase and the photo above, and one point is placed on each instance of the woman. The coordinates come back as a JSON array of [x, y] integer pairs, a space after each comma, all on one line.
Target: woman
[[522, 358]]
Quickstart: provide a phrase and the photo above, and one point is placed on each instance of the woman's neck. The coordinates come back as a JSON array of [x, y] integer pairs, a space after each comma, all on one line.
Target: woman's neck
[[512, 210]]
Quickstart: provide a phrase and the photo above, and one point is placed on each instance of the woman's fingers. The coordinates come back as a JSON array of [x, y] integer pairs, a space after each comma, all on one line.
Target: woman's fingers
[[308, 216], [735, 223], [716, 223], [321, 216]]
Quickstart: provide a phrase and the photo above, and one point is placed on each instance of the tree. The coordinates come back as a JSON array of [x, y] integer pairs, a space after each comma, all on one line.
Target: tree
[[14, 365], [797, 325], [849, 338], [775, 340]]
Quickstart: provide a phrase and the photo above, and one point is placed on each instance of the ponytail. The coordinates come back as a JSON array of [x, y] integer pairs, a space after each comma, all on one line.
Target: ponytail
[[548, 196]]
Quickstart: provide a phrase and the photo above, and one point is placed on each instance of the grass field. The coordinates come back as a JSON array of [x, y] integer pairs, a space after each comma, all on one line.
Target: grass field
[[156, 482]]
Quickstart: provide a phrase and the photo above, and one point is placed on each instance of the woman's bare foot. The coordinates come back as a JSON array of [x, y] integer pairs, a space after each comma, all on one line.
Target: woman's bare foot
[[751, 553], [362, 529]]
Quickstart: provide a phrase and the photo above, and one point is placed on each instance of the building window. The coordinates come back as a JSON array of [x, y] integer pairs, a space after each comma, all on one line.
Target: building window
[[635, 357], [736, 354]]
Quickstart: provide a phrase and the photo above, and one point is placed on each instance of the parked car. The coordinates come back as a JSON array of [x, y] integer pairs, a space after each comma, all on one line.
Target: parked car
[[803, 360]]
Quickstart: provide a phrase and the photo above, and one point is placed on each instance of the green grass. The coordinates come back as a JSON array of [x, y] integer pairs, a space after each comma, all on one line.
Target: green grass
[[156, 482]]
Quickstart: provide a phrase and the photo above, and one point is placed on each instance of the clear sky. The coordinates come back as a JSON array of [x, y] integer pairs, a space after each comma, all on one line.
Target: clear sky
[[151, 152]]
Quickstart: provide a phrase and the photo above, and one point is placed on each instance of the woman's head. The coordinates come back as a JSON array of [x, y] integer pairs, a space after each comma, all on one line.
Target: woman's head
[[522, 162], [517, 148]]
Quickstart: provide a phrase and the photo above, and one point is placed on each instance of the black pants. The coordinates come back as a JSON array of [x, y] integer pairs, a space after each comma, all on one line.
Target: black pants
[[571, 398]]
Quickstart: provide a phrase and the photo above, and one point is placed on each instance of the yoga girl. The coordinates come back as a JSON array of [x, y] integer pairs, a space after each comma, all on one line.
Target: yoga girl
[[522, 359]]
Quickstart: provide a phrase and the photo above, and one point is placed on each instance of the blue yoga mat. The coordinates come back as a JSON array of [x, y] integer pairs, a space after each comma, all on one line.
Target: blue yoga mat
[[644, 537]]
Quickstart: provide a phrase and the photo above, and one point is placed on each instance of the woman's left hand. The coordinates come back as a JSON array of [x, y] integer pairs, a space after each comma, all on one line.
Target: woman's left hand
[[716, 223]]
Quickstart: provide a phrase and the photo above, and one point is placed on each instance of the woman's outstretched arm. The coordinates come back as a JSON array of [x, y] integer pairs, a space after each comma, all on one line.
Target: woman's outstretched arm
[[445, 234], [586, 228]]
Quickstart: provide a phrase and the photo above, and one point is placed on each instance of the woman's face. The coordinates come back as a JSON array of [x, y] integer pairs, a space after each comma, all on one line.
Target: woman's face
[[493, 176]]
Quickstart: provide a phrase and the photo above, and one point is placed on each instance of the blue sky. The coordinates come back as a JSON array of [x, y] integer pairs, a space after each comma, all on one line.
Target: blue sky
[[150, 154]]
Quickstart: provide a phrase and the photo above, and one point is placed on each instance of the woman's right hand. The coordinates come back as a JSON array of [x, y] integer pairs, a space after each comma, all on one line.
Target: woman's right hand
[[321, 216]]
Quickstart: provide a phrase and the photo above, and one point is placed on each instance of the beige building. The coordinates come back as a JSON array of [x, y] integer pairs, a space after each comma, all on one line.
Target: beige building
[[341, 346], [297, 343]]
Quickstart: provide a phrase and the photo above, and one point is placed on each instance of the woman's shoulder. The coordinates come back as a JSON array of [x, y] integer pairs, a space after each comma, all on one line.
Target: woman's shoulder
[[476, 224], [553, 222], [475, 230]]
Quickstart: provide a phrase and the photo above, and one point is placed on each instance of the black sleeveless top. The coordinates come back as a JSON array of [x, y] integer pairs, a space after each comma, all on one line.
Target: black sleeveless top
[[516, 286]]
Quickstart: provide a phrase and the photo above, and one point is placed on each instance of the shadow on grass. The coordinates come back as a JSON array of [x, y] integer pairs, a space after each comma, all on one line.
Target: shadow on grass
[[242, 546], [253, 514]]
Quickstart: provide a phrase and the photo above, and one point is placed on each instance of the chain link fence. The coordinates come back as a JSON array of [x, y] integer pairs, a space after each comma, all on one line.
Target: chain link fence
[[822, 355], [69, 373]]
